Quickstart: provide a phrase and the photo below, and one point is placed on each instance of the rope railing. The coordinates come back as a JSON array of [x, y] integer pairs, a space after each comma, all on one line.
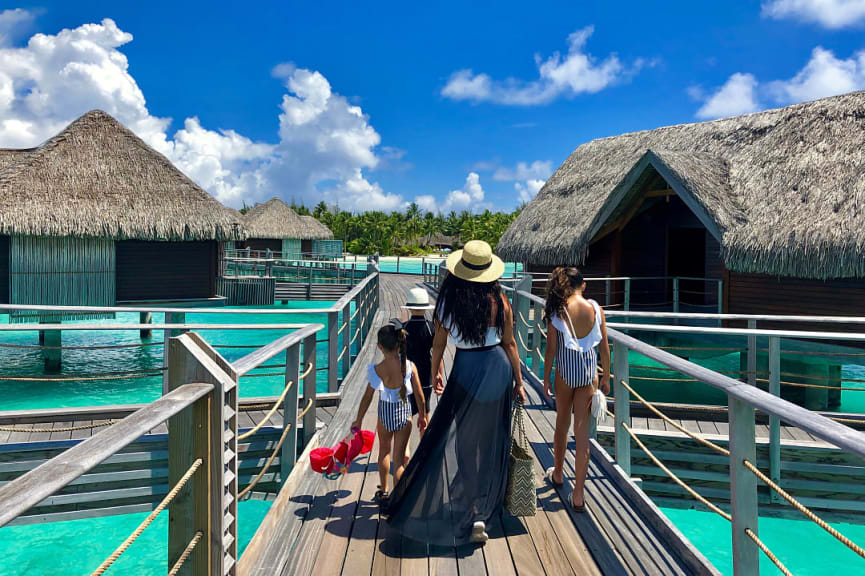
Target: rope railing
[[769, 554], [749, 465], [270, 459], [356, 334], [185, 554], [147, 521], [59, 429], [275, 406]]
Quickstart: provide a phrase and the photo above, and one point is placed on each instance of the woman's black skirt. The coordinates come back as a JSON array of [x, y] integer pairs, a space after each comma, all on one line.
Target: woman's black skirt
[[458, 474]]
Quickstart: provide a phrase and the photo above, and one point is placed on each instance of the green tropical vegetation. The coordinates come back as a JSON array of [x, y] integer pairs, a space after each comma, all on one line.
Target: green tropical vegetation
[[410, 232]]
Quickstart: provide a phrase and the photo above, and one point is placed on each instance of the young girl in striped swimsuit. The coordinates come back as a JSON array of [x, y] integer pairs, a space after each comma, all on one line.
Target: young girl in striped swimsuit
[[394, 378], [576, 337]]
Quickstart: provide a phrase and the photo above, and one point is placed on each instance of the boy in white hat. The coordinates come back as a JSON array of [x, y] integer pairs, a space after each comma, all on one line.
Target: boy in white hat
[[419, 339]]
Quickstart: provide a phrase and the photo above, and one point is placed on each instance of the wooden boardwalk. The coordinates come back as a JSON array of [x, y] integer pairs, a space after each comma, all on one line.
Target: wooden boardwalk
[[318, 526]]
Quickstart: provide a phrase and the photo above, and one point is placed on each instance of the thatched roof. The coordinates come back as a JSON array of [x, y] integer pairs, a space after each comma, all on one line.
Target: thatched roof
[[98, 179], [319, 230], [275, 219], [439, 239], [784, 190]]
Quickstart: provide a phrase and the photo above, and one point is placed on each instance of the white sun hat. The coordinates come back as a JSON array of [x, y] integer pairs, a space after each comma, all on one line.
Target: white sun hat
[[417, 299]]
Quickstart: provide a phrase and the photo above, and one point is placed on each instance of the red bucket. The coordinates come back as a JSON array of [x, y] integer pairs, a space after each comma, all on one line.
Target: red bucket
[[321, 459], [368, 440]]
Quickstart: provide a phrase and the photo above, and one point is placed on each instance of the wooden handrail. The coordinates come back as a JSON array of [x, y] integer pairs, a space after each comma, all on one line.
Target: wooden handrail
[[31, 488], [833, 432], [258, 357]]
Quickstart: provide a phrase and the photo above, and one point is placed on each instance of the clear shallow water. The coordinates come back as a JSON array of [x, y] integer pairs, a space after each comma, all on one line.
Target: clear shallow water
[[414, 265], [80, 546], [16, 362], [805, 548]]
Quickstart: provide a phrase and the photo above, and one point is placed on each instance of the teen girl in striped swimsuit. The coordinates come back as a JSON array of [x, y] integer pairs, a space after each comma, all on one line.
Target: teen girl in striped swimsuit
[[576, 340], [394, 378]]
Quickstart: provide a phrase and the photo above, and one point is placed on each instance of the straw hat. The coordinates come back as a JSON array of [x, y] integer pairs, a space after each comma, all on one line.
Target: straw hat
[[417, 299], [476, 263]]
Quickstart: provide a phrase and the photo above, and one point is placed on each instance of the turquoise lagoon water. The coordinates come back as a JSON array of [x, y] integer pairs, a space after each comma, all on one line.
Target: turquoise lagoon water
[[69, 548], [414, 265], [805, 548], [17, 362]]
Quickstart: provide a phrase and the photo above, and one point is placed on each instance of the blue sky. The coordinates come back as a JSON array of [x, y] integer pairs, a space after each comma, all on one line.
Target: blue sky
[[371, 105]]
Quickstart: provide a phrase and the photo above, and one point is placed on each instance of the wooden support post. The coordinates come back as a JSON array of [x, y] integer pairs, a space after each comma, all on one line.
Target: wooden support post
[[145, 318], [627, 305], [623, 407], [720, 300], [170, 318], [397, 264], [288, 457], [522, 305], [207, 503], [309, 392], [752, 354], [346, 338], [676, 295], [774, 421], [537, 358], [332, 351], [423, 265], [607, 291], [52, 354], [743, 488]]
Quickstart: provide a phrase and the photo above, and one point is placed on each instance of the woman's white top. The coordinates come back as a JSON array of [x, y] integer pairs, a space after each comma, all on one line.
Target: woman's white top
[[590, 340], [492, 337], [389, 394]]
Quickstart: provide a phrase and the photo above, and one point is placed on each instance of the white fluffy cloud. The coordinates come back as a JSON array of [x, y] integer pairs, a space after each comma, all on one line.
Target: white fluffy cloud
[[831, 14], [824, 75], [325, 143], [736, 96], [470, 197], [524, 171], [528, 190], [577, 72], [12, 20]]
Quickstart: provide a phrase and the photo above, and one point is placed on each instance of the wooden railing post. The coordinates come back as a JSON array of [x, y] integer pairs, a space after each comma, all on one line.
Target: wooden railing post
[[345, 349], [607, 292], [522, 305], [623, 407], [743, 488], [170, 318], [627, 305], [676, 294], [207, 431], [774, 421], [537, 358], [288, 457], [332, 351], [309, 392], [720, 300], [752, 354]]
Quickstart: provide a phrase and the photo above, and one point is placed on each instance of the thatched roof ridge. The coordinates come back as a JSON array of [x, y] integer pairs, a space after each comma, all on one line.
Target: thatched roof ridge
[[784, 188], [275, 220], [317, 230], [98, 179]]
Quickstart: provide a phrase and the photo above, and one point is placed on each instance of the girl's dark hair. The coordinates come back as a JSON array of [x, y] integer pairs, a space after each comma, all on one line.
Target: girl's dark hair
[[391, 339], [464, 308], [563, 282]]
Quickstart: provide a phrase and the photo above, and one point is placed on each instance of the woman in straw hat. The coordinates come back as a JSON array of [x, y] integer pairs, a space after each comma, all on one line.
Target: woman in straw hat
[[456, 481]]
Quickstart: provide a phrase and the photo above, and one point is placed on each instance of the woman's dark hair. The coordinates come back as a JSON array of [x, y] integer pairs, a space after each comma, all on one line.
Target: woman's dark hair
[[391, 339], [464, 308], [563, 282]]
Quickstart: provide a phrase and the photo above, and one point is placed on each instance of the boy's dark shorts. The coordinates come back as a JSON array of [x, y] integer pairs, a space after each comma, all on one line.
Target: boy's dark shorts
[[427, 393]]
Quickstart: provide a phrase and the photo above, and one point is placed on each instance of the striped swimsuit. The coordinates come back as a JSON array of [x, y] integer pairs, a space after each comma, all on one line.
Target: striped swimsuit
[[393, 412], [577, 358]]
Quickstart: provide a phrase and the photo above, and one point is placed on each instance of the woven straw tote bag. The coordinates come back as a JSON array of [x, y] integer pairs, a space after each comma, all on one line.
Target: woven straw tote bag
[[520, 497]]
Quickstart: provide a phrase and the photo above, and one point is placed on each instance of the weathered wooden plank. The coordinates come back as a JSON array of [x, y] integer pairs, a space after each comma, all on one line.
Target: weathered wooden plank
[[497, 555]]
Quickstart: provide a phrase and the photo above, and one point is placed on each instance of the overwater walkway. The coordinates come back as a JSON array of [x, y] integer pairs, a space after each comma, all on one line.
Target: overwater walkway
[[319, 526]]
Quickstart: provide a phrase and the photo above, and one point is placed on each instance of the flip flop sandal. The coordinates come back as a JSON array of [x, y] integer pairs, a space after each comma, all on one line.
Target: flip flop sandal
[[578, 508], [549, 477], [380, 495]]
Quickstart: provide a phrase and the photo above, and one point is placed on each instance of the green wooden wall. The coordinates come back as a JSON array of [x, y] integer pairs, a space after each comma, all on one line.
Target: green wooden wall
[[290, 247], [61, 272], [327, 248]]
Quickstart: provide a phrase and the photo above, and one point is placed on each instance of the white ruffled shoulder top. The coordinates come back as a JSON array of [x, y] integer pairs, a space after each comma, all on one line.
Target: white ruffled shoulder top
[[389, 394], [566, 329]]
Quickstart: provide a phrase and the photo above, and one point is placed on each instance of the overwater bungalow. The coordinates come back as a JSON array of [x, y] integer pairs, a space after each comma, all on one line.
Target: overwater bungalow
[[761, 213], [274, 226], [95, 216], [769, 203]]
